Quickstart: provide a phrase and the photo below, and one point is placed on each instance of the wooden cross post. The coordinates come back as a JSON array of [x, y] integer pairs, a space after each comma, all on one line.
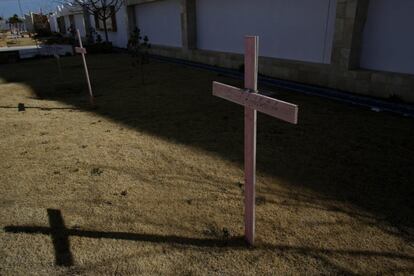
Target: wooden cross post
[[253, 102], [82, 51], [57, 57]]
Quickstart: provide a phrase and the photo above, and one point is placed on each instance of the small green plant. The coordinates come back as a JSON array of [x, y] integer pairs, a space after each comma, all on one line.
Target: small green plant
[[395, 98], [98, 38], [138, 50]]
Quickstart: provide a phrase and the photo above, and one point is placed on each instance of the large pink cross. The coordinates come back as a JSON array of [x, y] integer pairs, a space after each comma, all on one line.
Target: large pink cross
[[253, 102], [82, 51]]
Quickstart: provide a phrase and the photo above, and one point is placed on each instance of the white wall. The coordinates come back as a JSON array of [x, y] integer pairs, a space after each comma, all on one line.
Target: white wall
[[161, 22], [80, 24], [288, 29], [120, 37], [3, 25], [388, 40], [67, 24], [53, 23], [28, 23]]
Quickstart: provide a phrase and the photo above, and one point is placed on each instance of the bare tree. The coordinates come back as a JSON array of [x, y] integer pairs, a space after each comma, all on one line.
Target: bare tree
[[102, 10], [15, 22]]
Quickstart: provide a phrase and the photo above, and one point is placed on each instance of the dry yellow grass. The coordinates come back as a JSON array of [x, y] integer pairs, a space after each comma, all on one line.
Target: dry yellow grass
[[150, 182], [21, 41]]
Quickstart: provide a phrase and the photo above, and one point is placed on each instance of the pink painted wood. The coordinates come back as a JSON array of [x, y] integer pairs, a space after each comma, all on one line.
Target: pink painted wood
[[80, 50], [253, 102], [250, 121], [57, 57], [85, 66], [276, 108], [251, 45]]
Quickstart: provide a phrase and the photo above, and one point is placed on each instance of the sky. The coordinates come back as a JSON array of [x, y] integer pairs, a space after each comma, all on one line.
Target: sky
[[10, 7]]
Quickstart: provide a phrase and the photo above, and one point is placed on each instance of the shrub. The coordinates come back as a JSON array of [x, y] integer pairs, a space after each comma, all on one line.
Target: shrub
[[138, 48], [57, 38], [99, 48]]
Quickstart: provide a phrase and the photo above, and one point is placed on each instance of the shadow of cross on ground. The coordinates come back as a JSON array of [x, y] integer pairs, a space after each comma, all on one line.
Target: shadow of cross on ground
[[60, 237], [63, 256], [22, 107], [59, 233]]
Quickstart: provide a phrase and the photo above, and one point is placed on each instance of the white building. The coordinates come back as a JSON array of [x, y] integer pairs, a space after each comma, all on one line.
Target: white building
[[67, 17], [3, 25], [117, 28], [52, 18], [28, 23]]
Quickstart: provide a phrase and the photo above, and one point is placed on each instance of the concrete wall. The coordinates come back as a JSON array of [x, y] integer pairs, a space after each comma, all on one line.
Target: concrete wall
[[388, 37], [342, 73], [295, 29], [161, 22]]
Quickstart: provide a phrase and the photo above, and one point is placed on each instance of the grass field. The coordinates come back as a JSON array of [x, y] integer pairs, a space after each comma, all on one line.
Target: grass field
[[151, 182], [22, 41]]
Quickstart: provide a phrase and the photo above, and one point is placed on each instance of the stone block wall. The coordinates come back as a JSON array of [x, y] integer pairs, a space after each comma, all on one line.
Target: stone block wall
[[342, 74]]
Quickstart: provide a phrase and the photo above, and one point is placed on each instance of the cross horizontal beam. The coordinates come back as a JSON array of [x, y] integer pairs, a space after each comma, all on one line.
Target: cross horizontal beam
[[276, 108], [80, 50], [152, 238], [233, 242]]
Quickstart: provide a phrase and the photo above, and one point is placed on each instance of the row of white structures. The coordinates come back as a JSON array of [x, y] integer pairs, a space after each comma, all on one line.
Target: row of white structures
[[301, 30], [3, 25]]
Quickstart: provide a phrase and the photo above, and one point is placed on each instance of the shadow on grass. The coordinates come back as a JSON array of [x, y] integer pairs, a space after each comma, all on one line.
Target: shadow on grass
[[63, 255], [342, 153], [60, 237], [39, 107]]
